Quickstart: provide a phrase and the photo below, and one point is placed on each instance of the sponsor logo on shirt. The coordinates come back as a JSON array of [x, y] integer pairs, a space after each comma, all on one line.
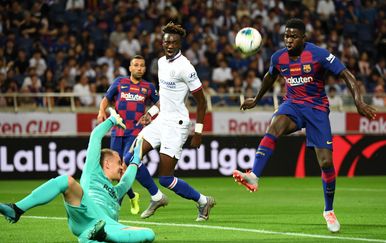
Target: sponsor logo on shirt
[[298, 80], [110, 191], [132, 97], [192, 76], [169, 84]]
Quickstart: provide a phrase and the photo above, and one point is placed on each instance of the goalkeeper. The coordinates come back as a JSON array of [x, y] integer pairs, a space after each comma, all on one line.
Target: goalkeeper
[[93, 205]]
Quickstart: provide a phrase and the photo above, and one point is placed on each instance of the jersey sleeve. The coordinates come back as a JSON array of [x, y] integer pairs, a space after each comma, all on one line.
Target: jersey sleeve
[[272, 66], [330, 62], [126, 181], [94, 148], [190, 77], [153, 94], [113, 90]]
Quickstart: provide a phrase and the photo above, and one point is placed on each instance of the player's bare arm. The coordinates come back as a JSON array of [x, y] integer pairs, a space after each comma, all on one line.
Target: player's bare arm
[[102, 110], [267, 84], [201, 109], [363, 108]]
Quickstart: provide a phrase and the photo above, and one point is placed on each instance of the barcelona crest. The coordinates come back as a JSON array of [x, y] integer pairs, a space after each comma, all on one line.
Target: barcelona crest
[[307, 68], [143, 90]]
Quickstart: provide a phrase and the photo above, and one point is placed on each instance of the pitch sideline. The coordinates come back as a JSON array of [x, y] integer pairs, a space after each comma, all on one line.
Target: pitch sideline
[[230, 229]]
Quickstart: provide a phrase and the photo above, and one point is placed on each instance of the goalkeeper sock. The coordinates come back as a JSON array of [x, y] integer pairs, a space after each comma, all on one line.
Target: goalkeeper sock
[[130, 193], [44, 193], [180, 187], [144, 178], [328, 180], [263, 153]]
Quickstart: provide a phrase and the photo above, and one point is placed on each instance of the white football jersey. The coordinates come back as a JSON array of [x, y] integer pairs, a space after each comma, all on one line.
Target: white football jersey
[[177, 77]]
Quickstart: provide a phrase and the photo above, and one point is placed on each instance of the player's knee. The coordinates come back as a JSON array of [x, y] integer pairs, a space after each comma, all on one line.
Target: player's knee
[[63, 182], [326, 163], [166, 181], [148, 235]]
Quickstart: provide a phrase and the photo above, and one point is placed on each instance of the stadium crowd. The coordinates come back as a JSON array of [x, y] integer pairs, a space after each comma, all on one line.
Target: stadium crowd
[[80, 46]]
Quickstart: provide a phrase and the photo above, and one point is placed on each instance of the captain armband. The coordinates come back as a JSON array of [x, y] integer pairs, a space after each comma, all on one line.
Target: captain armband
[[198, 127], [154, 110]]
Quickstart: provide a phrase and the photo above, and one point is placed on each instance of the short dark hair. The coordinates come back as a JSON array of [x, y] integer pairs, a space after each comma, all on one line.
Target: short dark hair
[[296, 23], [172, 28], [136, 57]]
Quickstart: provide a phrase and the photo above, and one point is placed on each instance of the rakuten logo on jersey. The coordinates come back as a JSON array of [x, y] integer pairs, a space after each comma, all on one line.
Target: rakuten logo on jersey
[[298, 81], [132, 97]]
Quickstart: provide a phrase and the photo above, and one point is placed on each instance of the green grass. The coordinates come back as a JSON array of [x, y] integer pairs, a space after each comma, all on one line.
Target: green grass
[[282, 206]]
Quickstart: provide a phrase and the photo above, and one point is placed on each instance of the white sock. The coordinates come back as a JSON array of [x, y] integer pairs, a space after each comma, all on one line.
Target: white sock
[[157, 196], [202, 200]]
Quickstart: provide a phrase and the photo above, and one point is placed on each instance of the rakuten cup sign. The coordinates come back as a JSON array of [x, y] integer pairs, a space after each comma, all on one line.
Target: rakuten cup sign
[[34, 123]]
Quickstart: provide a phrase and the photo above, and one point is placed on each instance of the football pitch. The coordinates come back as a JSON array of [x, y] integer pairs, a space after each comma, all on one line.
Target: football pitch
[[283, 210]]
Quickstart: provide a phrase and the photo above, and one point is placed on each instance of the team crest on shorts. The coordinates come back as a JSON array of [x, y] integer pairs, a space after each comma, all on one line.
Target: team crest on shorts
[[307, 68]]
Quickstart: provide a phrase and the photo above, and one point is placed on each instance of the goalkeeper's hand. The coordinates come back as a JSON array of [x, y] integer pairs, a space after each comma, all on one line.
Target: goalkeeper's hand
[[116, 118]]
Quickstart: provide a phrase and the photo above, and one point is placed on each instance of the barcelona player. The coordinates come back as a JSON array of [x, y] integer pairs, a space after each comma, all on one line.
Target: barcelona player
[[92, 206], [130, 96], [303, 66]]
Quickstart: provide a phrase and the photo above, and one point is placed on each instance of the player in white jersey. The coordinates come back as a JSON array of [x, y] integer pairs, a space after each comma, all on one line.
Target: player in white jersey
[[169, 131]]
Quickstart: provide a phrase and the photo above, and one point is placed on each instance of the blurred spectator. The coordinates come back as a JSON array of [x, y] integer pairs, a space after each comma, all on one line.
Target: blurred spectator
[[251, 81], [336, 102], [364, 65], [21, 63], [130, 46], [82, 90], [379, 98], [117, 36], [380, 68], [116, 70], [37, 61], [222, 74]]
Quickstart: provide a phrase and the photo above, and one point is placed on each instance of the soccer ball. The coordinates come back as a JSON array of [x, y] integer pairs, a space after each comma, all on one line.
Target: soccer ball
[[248, 40]]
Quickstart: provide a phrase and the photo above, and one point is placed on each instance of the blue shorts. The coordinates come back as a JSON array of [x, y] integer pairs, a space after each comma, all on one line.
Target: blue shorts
[[316, 123], [121, 144]]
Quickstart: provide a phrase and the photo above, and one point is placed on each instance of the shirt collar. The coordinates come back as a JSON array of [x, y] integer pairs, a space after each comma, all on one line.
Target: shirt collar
[[175, 57]]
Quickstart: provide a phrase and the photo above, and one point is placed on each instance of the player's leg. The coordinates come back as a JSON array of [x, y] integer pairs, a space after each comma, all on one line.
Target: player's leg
[[158, 199], [280, 124], [41, 195], [123, 145], [319, 136], [120, 233], [181, 188], [151, 135]]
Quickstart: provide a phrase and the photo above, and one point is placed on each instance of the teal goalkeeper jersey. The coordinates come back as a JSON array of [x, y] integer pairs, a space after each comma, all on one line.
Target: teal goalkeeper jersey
[[95, 183]]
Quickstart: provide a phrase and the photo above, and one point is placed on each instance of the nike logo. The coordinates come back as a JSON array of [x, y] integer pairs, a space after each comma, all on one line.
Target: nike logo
[[124, 86], [258, 152], [283, 69], [329, 142], [166, 148]]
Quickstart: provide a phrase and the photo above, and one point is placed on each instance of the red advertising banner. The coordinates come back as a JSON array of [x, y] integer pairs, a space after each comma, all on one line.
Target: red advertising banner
[[37, 123], [356, 123]]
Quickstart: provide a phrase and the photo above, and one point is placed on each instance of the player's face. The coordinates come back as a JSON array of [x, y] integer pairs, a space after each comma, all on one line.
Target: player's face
[[137, 68], [116, 167], [294, 41], [171, 44]]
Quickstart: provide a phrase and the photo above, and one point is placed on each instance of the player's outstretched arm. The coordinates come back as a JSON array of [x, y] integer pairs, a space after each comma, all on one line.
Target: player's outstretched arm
[[363, 108], [201, 110], [268, 82], [102, 110]]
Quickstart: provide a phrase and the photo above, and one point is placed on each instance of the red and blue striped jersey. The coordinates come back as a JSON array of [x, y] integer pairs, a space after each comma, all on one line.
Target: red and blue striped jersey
[[305, 76], [130, 102]]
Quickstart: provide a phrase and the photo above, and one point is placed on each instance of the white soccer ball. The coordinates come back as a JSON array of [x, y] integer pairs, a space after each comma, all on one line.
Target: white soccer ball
[[248, 40]]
